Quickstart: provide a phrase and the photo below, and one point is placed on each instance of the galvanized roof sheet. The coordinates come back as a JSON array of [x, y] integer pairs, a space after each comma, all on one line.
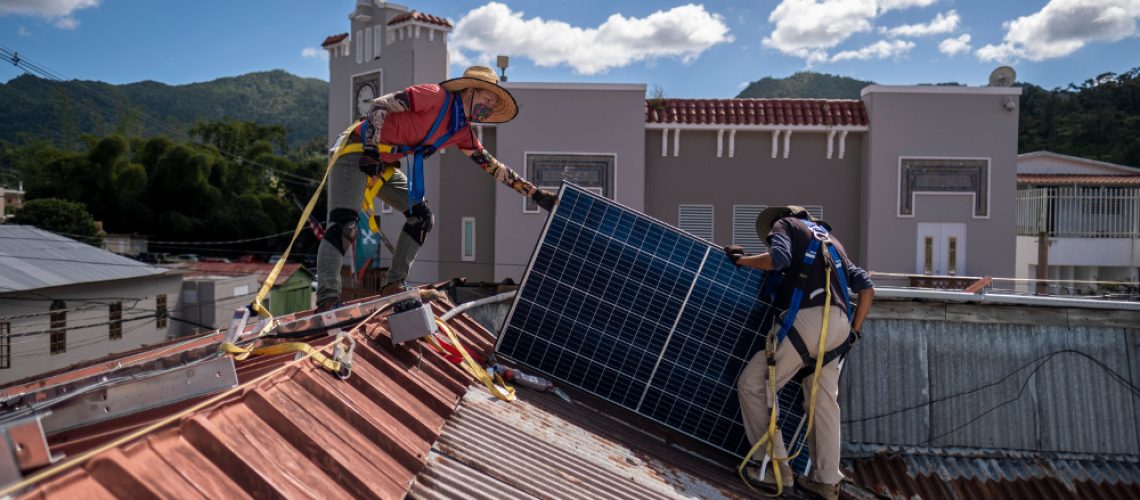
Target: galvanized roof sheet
[[31, 258]]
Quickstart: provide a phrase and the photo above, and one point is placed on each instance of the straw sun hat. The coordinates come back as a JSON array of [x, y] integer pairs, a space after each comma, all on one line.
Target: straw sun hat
[[482, 77], [771, 214]]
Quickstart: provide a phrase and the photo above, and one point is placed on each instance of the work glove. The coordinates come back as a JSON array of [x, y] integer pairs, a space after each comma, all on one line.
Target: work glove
[[369, 162], [544, 199], [734, 253]]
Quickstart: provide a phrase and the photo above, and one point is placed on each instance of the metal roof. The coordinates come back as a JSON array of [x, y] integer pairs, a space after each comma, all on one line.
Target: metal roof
[[980, 473], [288, 429], [260, 269], [31, 258]]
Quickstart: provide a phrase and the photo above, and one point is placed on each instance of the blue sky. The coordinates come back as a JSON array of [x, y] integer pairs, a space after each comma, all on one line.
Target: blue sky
[[707, 49]]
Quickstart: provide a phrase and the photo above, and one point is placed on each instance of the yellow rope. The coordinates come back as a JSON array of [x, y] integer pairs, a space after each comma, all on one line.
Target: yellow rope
[[500, 390], [768, 438]]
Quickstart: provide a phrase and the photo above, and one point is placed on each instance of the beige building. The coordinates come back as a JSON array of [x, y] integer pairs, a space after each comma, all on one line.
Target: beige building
[[915, 179]]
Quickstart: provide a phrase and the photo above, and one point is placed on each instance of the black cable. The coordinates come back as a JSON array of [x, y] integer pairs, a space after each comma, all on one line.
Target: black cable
[[1039, 362]]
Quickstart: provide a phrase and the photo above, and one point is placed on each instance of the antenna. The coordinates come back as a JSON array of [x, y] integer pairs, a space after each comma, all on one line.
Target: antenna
[[1003, 76], [501, 62]]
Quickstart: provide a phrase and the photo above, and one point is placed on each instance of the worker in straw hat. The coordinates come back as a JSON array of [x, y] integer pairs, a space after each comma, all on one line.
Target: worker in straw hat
[[815, 275], [412, 123]]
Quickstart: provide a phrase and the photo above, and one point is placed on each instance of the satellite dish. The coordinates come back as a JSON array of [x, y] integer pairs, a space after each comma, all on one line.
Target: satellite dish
[[1003, 76]]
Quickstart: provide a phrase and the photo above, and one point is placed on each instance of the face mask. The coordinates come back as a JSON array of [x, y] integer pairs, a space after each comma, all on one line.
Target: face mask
[[480, 112]]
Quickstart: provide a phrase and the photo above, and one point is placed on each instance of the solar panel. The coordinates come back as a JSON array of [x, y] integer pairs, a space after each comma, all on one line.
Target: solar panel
[[637, 312]]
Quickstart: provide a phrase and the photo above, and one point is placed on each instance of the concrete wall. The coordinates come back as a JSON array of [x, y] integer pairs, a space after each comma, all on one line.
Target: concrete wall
[[566, 118], [31, 354], [753, 177], [467, 191], [940, 123]]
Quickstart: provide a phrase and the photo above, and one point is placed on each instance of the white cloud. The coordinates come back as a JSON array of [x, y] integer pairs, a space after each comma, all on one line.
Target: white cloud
[[58, 12], [315, 53], [888, 5], [955, 46], [1063, 27], [23, 31], [682, 32], [810, 28], [743, 85], [945, 22], [878, 50]]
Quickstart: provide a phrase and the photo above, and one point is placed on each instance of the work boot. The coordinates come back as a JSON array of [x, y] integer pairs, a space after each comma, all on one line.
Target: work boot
[[768, 482], [393, 288], [822, 490], [327, 305]]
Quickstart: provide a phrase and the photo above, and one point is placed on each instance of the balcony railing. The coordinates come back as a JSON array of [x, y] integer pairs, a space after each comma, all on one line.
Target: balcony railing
[[1079, 212]]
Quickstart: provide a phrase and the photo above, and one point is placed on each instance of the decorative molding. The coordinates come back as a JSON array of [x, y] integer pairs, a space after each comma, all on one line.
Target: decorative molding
[[970, 176]]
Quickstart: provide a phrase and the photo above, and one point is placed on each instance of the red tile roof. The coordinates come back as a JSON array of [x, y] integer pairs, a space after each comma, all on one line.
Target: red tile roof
[[287, 430], [331, 39], [811, 112], [420, 17], [1078, 179], [261, 269]]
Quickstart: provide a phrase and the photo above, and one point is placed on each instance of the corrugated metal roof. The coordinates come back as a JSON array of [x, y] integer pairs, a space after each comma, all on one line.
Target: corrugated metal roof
[[31, 258], [543, 447], [261, 269], [289, 429], [973, 473], [808, 112]]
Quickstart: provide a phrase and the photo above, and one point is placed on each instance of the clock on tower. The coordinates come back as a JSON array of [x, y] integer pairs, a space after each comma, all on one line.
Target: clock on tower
[[365, 93]]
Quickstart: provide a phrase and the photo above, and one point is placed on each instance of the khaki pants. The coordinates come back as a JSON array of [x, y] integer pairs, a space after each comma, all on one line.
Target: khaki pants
[[752, 388]]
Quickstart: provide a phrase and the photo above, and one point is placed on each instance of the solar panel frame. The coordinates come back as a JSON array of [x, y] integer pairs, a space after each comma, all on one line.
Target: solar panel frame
[[679, 359]]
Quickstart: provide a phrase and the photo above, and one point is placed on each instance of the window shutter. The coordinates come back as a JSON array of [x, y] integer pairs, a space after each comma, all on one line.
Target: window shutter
[[744, 228], [696, 220]]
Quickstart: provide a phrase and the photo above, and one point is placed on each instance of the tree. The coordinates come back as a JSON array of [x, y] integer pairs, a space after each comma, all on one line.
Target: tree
[[67, 218]]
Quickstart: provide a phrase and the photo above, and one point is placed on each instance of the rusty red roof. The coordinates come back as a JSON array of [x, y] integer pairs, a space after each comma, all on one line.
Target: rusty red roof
[[1078, 179], [288, 429], [331, 39], [261, 269], [420, 17], [805, 112]]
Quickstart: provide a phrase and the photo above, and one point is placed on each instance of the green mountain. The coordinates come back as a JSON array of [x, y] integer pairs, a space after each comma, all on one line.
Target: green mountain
[[805, 85], [59, 112]]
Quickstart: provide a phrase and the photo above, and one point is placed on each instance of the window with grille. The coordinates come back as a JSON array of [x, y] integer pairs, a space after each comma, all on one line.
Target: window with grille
[[58, 327], [5, 345], [744, 228], [696, 220], [160, 311], [116, 321]]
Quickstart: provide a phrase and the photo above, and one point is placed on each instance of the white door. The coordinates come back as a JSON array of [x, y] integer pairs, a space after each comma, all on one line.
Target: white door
[[941, 248]]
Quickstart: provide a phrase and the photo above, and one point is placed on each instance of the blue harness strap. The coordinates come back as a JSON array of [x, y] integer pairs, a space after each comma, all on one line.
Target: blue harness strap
[[454, 107], [787, 322]]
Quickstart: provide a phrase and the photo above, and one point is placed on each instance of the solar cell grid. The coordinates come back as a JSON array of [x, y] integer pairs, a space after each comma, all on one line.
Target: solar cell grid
[[634, 311]]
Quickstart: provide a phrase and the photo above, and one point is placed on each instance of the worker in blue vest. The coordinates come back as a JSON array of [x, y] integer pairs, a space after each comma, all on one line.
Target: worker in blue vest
[[415, 122], [814, 266]]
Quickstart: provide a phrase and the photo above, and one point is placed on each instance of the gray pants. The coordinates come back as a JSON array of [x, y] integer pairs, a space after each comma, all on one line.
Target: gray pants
[[346, 190]]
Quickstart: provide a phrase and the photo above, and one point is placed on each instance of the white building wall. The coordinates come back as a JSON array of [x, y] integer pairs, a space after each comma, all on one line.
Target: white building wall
[[87, 329]]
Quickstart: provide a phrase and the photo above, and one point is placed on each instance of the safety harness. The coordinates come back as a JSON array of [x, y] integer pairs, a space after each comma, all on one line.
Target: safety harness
[[452, 106], [821, 239]]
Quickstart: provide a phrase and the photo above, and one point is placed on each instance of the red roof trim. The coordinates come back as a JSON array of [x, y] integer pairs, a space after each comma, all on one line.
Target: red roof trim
[[331, 39], [792, 112], [421, 17], [1081, 179]]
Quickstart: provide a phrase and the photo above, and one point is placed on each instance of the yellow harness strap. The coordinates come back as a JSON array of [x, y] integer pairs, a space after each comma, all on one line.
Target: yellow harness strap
[[500, 390], [768, 438], [327, 363]]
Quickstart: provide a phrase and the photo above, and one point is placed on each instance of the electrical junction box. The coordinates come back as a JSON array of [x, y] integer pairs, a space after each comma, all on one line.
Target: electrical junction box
[[410, 320]]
